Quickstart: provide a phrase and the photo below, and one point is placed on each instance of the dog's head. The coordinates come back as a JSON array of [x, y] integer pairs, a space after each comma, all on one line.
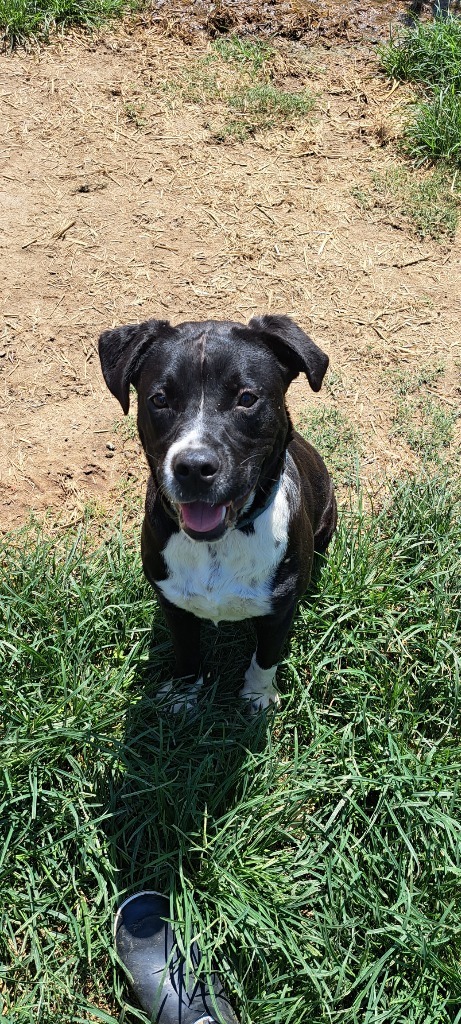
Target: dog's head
[[211, 407]]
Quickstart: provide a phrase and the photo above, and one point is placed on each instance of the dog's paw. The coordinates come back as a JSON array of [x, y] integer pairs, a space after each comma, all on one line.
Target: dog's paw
[[259, 701], [258, 689], [176, 699]]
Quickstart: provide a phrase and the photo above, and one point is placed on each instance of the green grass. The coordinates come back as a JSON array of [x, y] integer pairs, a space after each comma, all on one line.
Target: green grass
[[134, 113], [198, 84], [430, 204], [260, 108], [269, 103], [430, 55], [253, 54], [317, 855], [428, 52], [427, 426], [20, 19], [127, 428], [231, 130], [435, 132], [410, 382], [422, 420], [336, 439], [233, 79]]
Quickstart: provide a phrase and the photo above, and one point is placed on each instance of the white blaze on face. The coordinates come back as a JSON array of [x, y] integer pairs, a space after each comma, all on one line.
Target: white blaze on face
[[185, 443], [191, 438]]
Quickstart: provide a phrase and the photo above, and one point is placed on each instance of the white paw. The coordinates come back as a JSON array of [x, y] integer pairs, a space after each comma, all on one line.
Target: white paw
[[258, 689], [178, 700]]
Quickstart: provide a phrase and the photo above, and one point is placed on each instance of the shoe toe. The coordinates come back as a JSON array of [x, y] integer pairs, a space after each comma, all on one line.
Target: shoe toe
[[146, 946]]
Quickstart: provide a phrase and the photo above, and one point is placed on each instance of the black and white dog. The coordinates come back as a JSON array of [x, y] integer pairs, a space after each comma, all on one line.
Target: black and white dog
[[237, 502]]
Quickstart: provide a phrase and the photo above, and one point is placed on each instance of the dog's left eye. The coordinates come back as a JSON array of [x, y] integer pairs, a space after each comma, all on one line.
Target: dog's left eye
[[159, 400], [246, 399]]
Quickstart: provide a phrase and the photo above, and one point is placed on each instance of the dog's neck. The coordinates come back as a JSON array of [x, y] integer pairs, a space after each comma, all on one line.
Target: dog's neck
[[263, 496], [270, 478]]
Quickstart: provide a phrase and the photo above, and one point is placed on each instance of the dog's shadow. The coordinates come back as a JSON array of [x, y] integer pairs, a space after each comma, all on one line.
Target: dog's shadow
[[174, 776], [175, 779]]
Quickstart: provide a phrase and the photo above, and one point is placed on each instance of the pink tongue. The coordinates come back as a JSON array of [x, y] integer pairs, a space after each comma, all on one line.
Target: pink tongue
[[202, 517]]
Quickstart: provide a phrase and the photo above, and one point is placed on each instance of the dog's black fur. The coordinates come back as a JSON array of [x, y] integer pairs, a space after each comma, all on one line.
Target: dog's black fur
[[220, 445]]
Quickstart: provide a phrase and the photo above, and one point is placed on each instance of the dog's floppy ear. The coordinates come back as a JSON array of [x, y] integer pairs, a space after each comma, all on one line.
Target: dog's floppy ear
[[122, 352], [295, 351]]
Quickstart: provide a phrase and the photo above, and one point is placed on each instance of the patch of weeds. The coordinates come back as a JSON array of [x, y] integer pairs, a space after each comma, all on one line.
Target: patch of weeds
[[268, 104], [428, 52], [127, 428], [334, 383], [133, 112], [197, 85], [249, 106], [232, 131], [435, 133], [430, 55], [21, 19], [336, 438], [431, 205], [363, 196], [252, 54], [232, 64], [407, 383], [260, 108], [426, 426]]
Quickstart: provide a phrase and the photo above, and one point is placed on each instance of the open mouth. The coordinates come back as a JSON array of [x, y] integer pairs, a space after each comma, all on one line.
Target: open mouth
[[203, 520]]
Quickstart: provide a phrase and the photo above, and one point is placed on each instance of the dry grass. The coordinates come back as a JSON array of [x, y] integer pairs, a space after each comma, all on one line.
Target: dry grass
[[122, 206]]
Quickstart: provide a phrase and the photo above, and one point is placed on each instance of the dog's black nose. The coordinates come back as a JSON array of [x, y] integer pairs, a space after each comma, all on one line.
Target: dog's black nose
[[197, 466]]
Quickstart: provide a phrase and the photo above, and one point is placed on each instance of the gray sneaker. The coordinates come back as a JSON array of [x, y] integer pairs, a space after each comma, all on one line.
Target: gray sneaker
[[147, 948]]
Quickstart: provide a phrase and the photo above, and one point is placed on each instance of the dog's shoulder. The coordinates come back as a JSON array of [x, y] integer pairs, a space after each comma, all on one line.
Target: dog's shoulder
[[318, 496], [157, 529]]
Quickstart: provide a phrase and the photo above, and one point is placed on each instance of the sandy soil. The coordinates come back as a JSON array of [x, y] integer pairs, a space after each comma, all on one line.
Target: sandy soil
[[116, 205]]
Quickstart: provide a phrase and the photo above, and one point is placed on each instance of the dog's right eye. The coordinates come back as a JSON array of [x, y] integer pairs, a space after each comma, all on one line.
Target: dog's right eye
[[246, 399], [159, 400]]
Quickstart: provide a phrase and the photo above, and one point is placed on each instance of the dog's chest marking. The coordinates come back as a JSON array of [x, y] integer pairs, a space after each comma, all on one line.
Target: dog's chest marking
[[229, 579]]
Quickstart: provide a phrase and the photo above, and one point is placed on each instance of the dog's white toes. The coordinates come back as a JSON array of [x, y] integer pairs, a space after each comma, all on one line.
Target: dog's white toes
[[259, 701], [180, 701], [258, 689]]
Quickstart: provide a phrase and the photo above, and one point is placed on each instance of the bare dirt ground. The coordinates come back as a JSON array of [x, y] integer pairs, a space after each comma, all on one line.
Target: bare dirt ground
[[117, 205]]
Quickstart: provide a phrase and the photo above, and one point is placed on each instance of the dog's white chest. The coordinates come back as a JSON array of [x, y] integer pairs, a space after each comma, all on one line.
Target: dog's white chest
[[228, 579]]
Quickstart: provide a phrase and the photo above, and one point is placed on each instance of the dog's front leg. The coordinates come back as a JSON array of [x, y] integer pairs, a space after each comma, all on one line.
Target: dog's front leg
[[271, 632], [185, 633]]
